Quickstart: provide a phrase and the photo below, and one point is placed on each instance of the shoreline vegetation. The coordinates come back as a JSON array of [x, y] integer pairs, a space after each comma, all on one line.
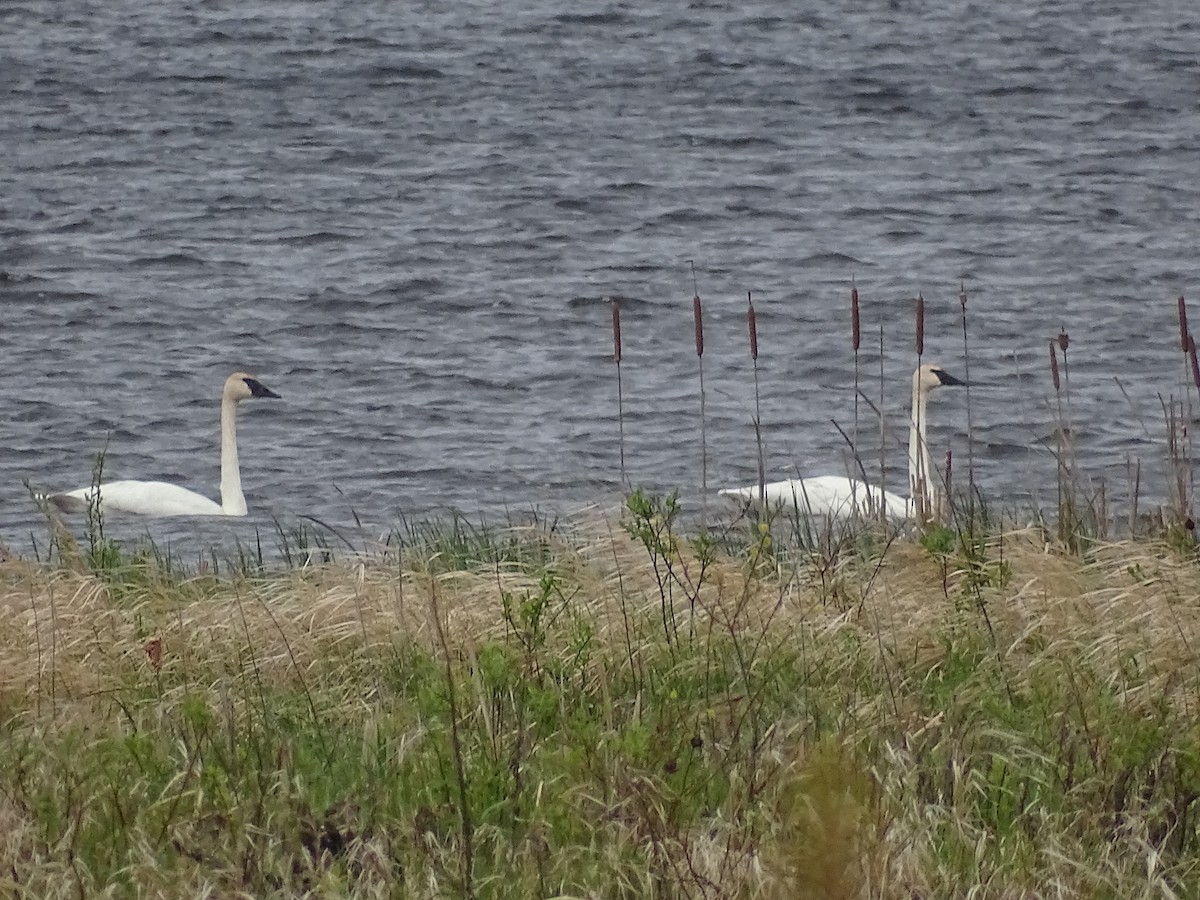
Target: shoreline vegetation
[[626, 705], [612, 707]]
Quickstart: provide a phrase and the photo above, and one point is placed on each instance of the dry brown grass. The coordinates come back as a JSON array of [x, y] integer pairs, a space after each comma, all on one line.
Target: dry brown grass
[[866, 719]]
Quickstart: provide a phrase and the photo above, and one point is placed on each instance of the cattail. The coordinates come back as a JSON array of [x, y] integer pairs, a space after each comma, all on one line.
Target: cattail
[[1054, 367], [1183, 326], [698, 318], [1064, 340], [1192, 359], [753, 327], [752, 322], [616, 311], [616, 326], [962, 302], [855, 324], [920, 325]]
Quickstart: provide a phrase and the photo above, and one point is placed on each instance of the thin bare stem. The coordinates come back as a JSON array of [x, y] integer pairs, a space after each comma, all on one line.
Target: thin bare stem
[[464, 805], [962, 301], [698, 320], [1064, 341], [752, 324], [1188, 343], [1188, 419], [922, 486], [616, 327], [1064, 490], [949, 475], [882, 430], [856, 341]]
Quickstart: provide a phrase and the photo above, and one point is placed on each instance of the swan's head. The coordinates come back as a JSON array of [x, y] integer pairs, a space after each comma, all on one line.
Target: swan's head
[[928, 377], [242, 386]]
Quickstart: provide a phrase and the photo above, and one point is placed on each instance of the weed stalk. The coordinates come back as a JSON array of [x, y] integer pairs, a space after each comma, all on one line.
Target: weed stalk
[[698, 321]]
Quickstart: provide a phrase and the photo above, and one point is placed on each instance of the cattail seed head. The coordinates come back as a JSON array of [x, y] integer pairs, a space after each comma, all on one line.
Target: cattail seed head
[[1064, 340], [616, 313], [949, 469], [753, 328], [1192, 360], [698, 316], [1054, 367], [962, 294], [920, 325], [855, 323], [1183, 325]]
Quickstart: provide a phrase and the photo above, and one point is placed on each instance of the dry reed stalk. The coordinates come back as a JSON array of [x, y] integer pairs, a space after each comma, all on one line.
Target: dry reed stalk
[[855, 341], [616, 329], [1134, 473], [752, 324], [882, 431], [466, 825], [1187, 430], [920, 489], [698, 321], [1192, 376], [948, 500], [1064, 341], [1064, 490], [962, 302]]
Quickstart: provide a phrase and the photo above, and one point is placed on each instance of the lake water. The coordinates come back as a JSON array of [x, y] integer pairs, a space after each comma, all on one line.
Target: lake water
[[404, 218]]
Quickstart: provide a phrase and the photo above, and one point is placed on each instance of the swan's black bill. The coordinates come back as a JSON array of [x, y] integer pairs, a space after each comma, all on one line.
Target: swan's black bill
[[258, 389], [947, 379]]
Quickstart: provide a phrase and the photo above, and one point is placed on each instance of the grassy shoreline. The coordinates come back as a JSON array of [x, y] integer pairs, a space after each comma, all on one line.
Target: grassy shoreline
[[609, 709]]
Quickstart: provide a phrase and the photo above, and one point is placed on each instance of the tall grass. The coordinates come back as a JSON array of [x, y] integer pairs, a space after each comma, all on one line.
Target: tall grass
[[632, 711]]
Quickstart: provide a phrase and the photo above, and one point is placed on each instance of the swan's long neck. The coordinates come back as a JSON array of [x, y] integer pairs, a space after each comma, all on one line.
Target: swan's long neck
[[920, 481], [233, 501]]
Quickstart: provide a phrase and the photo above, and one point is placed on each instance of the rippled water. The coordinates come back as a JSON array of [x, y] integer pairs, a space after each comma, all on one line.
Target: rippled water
[[403, 218]]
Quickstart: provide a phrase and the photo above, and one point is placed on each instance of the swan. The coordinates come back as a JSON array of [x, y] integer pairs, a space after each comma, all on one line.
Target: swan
[[838, 497], [157, 498]]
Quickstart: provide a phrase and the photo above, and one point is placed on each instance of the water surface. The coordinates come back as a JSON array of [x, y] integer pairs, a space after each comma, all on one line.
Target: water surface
[[404, 218]]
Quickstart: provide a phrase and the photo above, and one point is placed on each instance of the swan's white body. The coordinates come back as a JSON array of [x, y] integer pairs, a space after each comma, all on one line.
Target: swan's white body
[[158, 498], [837, 497], [825, 495]]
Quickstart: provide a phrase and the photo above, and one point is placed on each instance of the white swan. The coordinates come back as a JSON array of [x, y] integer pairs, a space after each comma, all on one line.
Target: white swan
[[837, 497], [157, 498]]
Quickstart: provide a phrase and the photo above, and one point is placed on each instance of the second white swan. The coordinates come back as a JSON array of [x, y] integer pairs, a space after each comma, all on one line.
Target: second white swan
[[158, 498], [837, 497]]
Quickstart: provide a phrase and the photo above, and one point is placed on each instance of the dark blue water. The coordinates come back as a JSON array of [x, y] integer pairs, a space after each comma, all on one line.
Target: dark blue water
[[403, 218]]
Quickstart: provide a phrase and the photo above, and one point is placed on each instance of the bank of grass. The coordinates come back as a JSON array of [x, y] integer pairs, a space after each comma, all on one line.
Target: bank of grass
[[606, 709]]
